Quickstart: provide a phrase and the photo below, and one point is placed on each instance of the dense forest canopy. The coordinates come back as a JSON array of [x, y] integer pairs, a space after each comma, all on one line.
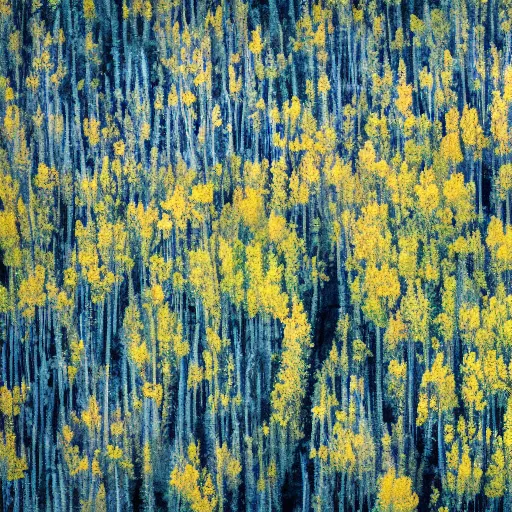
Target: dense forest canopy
[[255, 256]]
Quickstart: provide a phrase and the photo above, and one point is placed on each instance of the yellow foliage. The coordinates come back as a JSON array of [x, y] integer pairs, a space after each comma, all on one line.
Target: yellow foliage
[[188, 98], [324, 85], [46, 178], [195, 485], [256, 44], [139, 354], [202, 194], [396, 494], [31, 292], [289, 389], [153, 391], [114, 452], [91, 416], [440, 382]]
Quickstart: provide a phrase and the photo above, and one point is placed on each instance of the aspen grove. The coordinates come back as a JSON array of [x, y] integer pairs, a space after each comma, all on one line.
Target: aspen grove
[[255, 255]]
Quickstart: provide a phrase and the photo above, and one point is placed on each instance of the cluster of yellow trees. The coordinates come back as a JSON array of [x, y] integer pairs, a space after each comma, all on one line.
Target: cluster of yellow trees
[[255, 255]]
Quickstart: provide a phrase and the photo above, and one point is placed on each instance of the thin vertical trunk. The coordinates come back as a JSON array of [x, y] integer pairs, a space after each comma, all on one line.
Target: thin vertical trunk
[[378, 378]]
